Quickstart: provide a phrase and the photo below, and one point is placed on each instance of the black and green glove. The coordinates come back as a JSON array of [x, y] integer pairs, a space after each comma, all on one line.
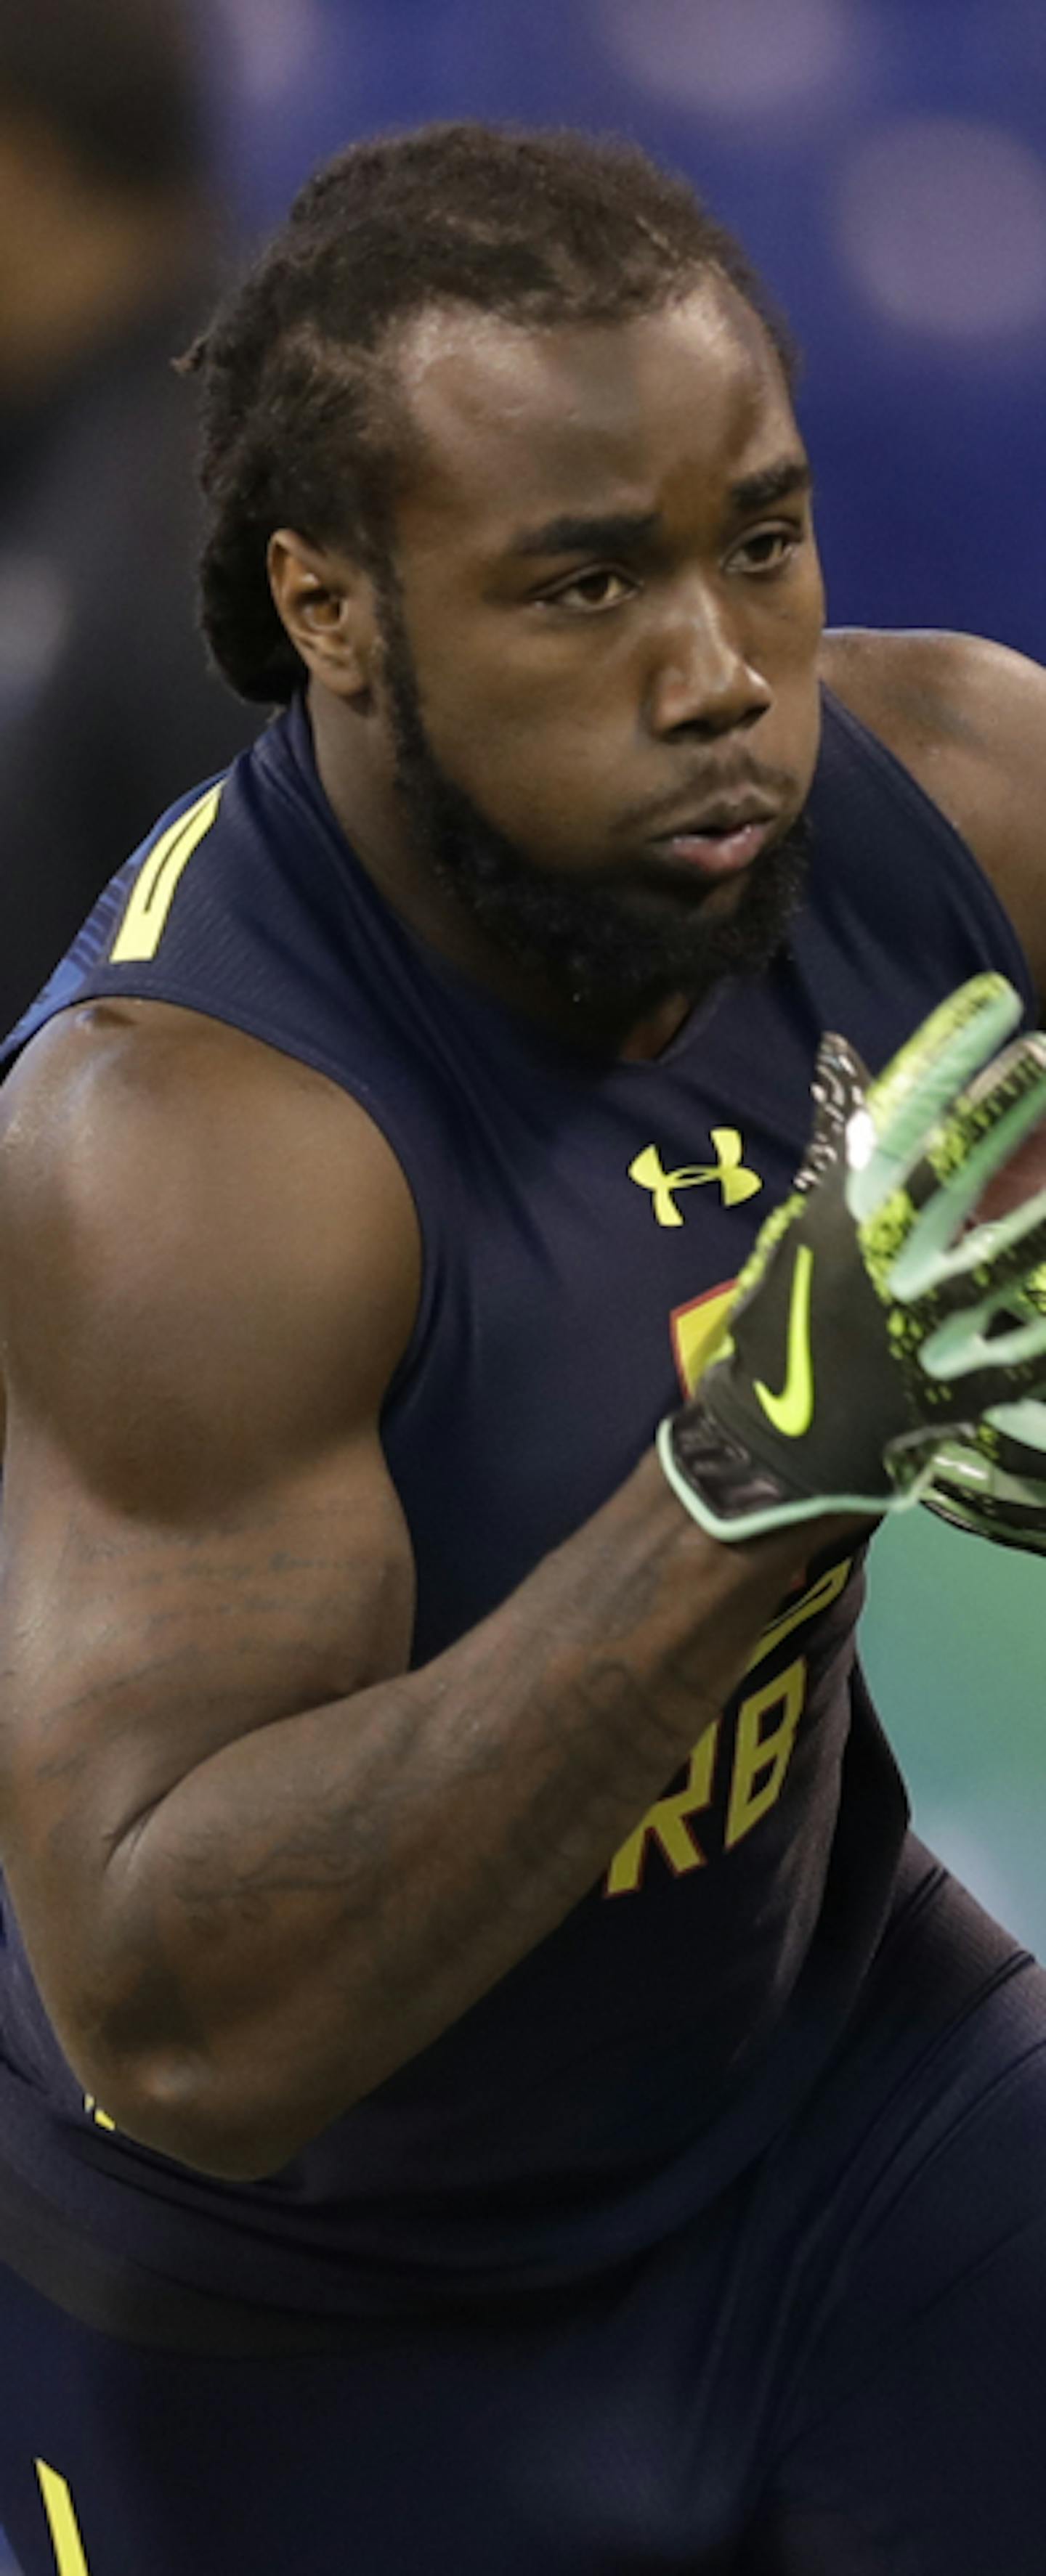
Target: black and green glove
[[869, 1335], [993, 1481]]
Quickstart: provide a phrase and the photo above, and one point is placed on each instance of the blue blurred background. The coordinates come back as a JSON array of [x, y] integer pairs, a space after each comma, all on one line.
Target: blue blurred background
[[885, 161]]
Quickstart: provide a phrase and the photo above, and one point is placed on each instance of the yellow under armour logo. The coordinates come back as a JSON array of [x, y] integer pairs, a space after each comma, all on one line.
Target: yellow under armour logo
[[735, 1180]]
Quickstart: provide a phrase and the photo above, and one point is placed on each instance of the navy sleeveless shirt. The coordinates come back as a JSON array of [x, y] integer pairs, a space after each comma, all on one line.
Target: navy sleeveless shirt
[[581, 1219]]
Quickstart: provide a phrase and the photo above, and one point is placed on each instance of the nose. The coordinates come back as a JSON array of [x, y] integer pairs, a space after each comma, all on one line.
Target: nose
[[701, 680]]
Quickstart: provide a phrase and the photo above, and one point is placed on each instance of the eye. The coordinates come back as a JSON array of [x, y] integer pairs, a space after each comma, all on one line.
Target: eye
[[767, 550], [592, 592]]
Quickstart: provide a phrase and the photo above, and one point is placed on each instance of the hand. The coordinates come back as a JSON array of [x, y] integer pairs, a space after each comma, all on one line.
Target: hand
[[860, 1347]]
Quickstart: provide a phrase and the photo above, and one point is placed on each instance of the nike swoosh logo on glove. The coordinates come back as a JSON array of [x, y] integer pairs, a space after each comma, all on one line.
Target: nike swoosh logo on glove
[[792, 1411]]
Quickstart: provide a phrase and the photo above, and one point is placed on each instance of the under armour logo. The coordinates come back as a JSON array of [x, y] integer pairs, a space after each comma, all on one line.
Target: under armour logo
[[735, 1180]]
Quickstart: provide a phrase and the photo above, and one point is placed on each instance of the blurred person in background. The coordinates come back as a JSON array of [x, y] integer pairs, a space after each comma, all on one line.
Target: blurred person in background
[[107, 257]]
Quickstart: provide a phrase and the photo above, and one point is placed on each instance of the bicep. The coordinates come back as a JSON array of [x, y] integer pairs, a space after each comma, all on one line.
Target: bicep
[[200, 1535]]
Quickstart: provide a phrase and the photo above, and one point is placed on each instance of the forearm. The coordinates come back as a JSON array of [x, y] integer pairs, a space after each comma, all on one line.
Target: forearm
[[315, 1903]]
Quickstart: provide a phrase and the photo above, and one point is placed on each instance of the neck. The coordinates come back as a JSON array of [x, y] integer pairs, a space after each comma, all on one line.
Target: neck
[[649, 1038]]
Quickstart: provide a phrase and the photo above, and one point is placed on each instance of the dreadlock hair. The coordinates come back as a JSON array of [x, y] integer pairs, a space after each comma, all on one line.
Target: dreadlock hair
[[300, 418]]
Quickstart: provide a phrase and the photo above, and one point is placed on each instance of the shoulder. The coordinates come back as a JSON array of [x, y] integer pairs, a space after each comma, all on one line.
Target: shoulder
[[968, 719], [192, 1217], [168, 1106]]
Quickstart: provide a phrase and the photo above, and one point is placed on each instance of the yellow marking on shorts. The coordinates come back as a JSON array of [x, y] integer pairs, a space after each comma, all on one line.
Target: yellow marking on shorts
[[62, 2523], [156, 883]]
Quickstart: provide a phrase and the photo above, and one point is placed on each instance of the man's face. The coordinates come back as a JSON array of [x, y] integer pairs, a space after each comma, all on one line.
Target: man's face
[[602, 641]]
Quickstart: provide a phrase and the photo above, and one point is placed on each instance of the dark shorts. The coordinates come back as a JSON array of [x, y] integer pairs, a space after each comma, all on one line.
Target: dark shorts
[[839, 2368]]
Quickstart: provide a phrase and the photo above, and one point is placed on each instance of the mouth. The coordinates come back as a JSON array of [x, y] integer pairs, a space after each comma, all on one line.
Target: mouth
[[719, 842]]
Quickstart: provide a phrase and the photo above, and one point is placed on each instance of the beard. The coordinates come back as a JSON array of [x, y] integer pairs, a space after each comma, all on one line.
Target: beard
[[614, 943]]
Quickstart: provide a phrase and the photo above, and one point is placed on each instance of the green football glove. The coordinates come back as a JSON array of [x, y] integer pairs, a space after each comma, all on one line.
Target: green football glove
[[869, 1335], [994, 1481], [993, 1484]]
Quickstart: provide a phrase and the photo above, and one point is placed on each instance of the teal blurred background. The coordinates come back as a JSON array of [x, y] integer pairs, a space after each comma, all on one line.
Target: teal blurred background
[[954, 1643]]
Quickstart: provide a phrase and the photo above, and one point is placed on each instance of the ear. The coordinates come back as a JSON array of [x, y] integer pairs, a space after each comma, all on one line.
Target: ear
[[326, 602]]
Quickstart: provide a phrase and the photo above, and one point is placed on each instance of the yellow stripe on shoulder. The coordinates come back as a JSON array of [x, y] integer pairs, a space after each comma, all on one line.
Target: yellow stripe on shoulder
[[156, 883], [61, 2522]]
